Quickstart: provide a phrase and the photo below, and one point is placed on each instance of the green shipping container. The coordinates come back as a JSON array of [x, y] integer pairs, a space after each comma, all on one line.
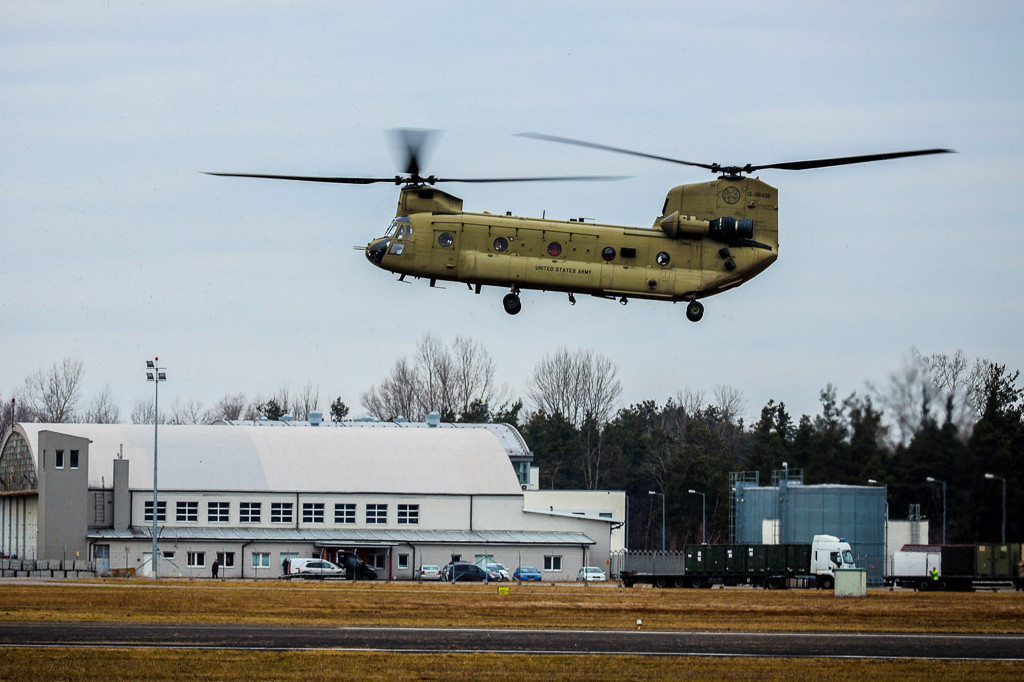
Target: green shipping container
[[736, 559]]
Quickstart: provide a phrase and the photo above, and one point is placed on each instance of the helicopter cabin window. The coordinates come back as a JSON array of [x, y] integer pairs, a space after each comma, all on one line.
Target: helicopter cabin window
[[608, 253], [500, 244], [445, 239], [554, 249], [662, 258]]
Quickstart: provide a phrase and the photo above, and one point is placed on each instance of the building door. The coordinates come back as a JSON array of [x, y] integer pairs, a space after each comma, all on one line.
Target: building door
[[101, 555]]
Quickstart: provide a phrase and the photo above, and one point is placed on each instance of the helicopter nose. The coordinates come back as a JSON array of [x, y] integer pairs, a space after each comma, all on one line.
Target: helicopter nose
[[375, 250]]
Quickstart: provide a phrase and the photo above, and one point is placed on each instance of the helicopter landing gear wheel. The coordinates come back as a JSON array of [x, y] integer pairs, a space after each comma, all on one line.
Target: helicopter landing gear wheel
[[694, 311], [512, 303]]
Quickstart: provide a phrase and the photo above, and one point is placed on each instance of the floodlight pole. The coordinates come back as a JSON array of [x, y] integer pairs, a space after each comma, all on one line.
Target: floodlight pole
[[934, 480], [652, 492], [156, 375], [1000, 478], [703, 516]]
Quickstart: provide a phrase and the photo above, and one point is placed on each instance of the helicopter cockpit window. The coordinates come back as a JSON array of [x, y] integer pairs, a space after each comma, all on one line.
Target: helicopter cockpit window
[[404, 231], [500, 244], [554, 249], [662, 258], [396, 226], [608, 253]]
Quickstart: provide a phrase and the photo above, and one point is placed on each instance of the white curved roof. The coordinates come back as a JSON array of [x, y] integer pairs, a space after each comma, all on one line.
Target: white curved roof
[[252, 458]]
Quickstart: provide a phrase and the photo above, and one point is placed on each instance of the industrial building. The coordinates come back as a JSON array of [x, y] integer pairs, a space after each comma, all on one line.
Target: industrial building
[[790, 512], [251, 496]]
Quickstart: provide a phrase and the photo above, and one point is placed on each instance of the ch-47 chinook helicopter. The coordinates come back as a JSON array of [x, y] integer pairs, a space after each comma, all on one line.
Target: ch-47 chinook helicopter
[[710, 236]]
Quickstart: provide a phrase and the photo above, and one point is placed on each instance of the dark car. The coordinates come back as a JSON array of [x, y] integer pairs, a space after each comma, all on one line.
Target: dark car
[[463, 572]]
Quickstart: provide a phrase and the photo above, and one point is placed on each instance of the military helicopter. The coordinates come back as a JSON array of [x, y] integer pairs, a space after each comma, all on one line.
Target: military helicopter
[[710, 236]]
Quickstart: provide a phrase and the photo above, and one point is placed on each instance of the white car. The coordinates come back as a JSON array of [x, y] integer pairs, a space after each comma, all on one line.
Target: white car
[[430, 572], [314, 568], [499, 569], [589, 574]]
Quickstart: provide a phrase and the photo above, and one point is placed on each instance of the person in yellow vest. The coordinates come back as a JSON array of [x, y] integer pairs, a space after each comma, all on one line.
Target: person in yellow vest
[[935, 574]]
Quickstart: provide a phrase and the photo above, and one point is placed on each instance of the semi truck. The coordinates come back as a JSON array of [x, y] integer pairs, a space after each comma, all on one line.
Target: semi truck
[[958, 568], [767, 566]]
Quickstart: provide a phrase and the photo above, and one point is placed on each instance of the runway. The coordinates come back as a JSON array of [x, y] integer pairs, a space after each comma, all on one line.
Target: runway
[[559, 642]]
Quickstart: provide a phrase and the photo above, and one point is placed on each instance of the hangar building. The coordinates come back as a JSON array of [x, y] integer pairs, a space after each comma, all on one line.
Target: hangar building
[[251, 496]]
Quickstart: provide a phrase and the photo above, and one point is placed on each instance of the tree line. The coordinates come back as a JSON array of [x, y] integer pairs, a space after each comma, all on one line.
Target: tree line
[[943, 417]]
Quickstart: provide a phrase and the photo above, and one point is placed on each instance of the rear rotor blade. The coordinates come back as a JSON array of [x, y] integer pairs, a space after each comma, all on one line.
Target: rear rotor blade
[[844, 160], [618, 150]]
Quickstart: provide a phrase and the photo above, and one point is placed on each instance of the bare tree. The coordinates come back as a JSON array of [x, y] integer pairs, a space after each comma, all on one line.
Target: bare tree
[[142, 412], [230, 407], [473, 375], [961, 381], [306, 400], [103, 409], [452, 382], [579, 385], [398, 395], [52, 396], [189, 411]]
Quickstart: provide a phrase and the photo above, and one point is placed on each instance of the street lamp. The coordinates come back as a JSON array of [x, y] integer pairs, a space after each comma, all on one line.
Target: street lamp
[[933, 480], [703, 516], [156, 375], [651, 492], [992, 477]]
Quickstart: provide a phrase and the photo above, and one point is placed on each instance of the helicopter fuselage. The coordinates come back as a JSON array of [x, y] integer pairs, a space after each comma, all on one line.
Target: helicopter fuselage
[[710, 237]]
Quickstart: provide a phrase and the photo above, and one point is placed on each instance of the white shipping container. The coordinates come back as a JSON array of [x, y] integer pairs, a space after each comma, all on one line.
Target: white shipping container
[[915, 563]]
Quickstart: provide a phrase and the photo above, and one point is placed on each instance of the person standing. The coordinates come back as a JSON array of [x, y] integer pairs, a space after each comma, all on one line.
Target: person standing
[[215, 568]]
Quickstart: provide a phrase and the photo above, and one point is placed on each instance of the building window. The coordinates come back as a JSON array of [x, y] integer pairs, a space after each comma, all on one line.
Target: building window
[[552, 563], [376, 513], [187, 511], [58, 461], [218, 512], [312, 512], [196, 559], [286, 561], [261, 559], [167, 555], [344, 512], [403, 562], [249, 512], [226, 559], [73, 459], [408, 514], [281, 512], [161, 511]]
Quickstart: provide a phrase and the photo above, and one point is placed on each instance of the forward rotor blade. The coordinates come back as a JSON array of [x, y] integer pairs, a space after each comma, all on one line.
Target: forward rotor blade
[[557, 178], [845, 160], [308, 178], [412, 142], [618, 150]]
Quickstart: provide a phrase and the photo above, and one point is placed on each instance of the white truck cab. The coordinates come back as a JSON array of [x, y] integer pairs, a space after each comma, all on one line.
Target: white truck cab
[[829, 553]]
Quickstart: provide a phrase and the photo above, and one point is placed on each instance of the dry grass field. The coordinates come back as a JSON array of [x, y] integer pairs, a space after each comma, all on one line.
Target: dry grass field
[[538, 606]]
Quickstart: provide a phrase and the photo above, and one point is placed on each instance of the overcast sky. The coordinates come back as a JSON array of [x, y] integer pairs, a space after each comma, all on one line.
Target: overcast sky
[[116, 249]]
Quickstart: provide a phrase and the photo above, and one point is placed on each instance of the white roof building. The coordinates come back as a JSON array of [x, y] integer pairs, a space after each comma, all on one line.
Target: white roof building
[[251, 496]]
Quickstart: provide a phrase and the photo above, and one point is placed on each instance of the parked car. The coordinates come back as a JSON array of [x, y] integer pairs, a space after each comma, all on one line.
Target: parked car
[[314, 568], [502, 572], [589, 574], [462, 572], [430, 572], [527, 573]]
